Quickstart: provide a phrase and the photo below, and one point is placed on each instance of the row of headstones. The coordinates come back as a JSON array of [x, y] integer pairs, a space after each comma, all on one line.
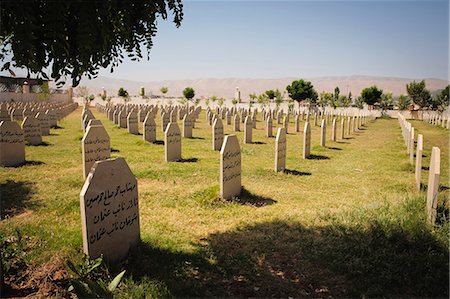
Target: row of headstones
[[438, 120], [109, 198], [13, 136], [434, 169]]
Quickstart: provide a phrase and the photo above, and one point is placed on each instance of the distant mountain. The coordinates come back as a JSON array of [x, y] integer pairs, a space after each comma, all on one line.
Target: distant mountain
[[226, 87]]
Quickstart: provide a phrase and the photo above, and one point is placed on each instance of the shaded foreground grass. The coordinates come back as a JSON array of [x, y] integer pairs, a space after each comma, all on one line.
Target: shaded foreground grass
[[346, 223]]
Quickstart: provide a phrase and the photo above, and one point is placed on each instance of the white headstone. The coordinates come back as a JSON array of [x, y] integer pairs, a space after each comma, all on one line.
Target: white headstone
[[95, 146], [172, 142], [280, 150], [230, 168]]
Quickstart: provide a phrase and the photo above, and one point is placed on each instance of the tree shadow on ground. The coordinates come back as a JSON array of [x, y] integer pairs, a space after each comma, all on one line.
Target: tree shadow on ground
[[285, 259], [295, 172], [318, 157], [15, 197]]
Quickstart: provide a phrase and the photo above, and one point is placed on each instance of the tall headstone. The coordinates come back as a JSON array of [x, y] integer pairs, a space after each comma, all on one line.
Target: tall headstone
[[248, 127], [122, 117], [32, 130], [165, 119], [237, 123], [280, 150], [419, 152], [187, 126], [411, 146], [228, 117], [342, 127], [433, 184], [230, 168], [12, 145], [109, 208], [43, 121], [149, 128], [172, 142], [269, 126], [333, 130], [306, 141], [349, 125], [95, 146], [286, 123], [297, 123], [133, 122], [323, 133], [217, 134]]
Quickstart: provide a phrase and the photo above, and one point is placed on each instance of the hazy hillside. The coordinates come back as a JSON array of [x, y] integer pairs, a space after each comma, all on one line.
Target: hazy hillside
[[226, 87]]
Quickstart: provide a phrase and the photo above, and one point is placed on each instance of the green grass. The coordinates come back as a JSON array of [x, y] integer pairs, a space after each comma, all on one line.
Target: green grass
[[346, 223]]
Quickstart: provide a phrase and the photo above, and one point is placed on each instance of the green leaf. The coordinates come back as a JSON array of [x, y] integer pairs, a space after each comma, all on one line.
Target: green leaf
[[115, 282]]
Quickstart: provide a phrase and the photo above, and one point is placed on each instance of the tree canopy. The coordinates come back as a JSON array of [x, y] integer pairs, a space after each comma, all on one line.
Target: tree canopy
[[441, 101], [189, 93], [73, 38], [418, 93], [301, 90], [371, 95]]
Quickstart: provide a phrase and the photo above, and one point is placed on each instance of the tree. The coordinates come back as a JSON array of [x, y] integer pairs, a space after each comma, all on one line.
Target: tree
[[359, 102], [252, 97], [220, 102], [278, 98], [326, 98], [164, 90], [270, 94], [371, 95], [302, 90], [336, 93], [419, 94], [403, 102], [263, 99], [441, 101], [386, 101], [344, 101], [122, 92], [188, 93], [74, 38]]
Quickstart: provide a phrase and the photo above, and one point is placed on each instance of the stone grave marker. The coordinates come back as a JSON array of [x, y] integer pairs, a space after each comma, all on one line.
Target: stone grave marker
[[306, 141], [217, 134], [12, 145], [419, 152], [237, 123], [333, 130], [286, 124], [95, 146], [297, 123], [323, 133], [165, 119], [149, 128], [248, 127], [342, 128], [133, 122], [269, 126], [187, 126], [230, 168], [172, 142], [411, 146], [109, 208], [43, 121], [280, 150], [32, 130], [122, 119], [433, 184]]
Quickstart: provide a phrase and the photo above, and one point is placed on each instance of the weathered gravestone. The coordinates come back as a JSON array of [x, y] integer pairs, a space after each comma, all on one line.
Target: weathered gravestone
[[306, 141], [230, 168], [43, 121], [286, 124], [323, 133], [411, 146], [52, 118], [12, 145], [133, 123], [333, 130], [95, 147], [187, 126], [342, 128], [217, 134], [94, 122], [237, 123], [248, 127], [269, 125], [172, 142], [280, 150], [110, 210], [433, 184], [419, 152], [122, 119], [228, 117], [297, 123], [4, 115], [149, 128], [349, 125], [32, 130], [165, 119]]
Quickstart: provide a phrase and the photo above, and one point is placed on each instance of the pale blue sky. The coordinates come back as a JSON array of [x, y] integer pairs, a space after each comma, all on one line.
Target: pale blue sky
[[273, 39]]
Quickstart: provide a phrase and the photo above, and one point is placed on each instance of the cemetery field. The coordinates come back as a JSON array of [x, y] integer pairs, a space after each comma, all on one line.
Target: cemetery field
[[347, 222]]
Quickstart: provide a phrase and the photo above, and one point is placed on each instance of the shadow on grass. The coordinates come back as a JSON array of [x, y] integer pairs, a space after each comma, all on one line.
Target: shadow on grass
[[53, 134], [443, 188], [425, 168], [201, 138], [57, 127], [189, 160], [334, 148], [159, 142], [114, 150], [288, 259], [318, 157], [296, 172], [43, 143], [15, 197], [249, 198], [258, 142], [342, 142], [349, 138]]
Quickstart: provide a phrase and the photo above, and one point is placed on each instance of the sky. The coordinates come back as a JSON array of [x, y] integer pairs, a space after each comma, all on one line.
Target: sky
[[276, 39]]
